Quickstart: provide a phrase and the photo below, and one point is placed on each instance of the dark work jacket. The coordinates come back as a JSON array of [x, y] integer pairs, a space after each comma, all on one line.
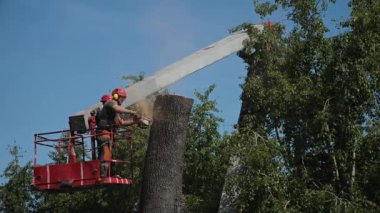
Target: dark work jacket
[[106, 116]]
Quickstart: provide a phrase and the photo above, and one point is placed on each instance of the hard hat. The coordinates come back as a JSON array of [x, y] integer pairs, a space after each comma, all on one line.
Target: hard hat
[[106, 97], [119, 92]]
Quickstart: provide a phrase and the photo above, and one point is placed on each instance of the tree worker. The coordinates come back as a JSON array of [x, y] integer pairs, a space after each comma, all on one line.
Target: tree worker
[[108, 118], [94, 120], [105, 98]]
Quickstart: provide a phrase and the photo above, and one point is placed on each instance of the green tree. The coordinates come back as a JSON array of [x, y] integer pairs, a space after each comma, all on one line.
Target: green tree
[[369, 165], [313, 96], [258, 183], [15, 194], [206, 156]]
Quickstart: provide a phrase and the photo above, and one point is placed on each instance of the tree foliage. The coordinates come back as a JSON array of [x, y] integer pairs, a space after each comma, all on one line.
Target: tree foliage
[[206, 156], [15, 194], [315, 99]]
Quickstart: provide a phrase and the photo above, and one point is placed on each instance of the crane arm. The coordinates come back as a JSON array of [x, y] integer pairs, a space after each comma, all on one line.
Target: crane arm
[[182, 68]]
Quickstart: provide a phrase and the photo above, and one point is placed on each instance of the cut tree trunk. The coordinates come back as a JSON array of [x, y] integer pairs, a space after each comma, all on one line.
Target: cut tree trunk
[[162, 176]]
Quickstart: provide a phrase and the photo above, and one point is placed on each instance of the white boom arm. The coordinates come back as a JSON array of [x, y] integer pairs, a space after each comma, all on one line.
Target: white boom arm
[[182, 68]]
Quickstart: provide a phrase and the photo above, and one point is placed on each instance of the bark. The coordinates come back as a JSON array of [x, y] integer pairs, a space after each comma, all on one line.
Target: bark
[[353, 168], [162, 176], [332, 150], [226, 201]]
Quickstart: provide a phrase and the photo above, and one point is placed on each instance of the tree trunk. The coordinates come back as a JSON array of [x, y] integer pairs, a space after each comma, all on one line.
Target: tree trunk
[[227, 200], [353, 167], [162, 176]]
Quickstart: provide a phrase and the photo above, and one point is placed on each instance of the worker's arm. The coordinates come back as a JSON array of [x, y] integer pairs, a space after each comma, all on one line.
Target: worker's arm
[[120, 109], [122, 122]]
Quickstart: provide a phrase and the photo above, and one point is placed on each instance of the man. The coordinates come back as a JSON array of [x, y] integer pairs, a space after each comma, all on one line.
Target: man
[[96, 112], [105, 98], [108, 118]]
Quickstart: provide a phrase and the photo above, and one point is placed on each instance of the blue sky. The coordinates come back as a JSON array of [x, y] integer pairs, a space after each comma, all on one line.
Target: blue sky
[[59, 57]]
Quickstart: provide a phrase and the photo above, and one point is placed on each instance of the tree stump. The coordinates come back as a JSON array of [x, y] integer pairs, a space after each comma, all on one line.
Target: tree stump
[[162, 175]]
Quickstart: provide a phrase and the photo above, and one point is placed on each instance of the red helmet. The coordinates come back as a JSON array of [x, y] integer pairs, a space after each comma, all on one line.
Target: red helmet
[[119, 92], [105, 98]]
